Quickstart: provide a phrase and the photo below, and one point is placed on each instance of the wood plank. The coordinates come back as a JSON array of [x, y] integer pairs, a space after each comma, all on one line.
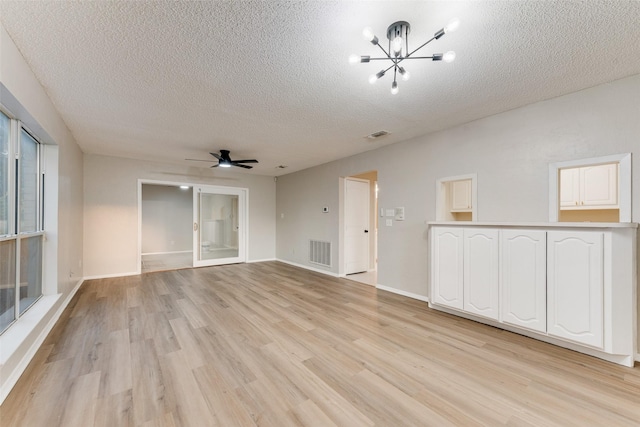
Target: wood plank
[[269, 344]]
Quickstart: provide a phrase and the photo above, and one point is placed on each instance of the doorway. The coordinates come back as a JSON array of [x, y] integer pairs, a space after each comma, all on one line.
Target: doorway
[[359, 203], [181, 225], [165, 227]]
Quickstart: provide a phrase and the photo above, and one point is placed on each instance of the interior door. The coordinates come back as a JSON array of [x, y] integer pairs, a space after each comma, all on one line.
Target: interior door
[[356, 214], [219, 225]]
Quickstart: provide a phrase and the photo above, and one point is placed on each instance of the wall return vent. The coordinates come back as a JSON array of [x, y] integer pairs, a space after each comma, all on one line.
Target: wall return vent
[[320, 252]]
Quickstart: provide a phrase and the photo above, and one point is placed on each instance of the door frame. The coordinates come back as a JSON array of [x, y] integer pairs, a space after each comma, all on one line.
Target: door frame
[[142, 181], [342, 225], [243, 223]]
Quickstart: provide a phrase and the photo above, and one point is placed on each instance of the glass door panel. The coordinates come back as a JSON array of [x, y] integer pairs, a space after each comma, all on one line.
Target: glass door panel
[[218, 226]]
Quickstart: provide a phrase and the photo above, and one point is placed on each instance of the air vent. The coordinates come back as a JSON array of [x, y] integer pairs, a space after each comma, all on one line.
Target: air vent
[[320, 252], [378, 134]]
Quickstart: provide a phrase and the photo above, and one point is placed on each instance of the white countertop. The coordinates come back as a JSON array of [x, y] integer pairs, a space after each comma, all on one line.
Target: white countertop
[[537, 224]]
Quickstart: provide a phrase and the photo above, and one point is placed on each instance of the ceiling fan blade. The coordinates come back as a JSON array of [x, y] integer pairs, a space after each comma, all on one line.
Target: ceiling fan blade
[[215, 166], [200, 160], [246, 161], [241, 166], [217, 156]]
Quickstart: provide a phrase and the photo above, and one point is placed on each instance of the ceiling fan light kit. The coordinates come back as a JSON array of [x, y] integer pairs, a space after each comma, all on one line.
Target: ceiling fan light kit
[[398, 50]]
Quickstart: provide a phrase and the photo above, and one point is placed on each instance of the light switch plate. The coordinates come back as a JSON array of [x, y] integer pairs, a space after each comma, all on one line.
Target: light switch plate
[[391, 212], [389, 222], [399, 214]]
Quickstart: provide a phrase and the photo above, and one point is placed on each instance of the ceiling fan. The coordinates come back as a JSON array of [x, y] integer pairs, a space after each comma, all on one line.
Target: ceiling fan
[[224, 161]]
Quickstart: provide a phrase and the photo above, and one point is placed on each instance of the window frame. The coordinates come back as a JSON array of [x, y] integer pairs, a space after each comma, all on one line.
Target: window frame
[[16, 127]]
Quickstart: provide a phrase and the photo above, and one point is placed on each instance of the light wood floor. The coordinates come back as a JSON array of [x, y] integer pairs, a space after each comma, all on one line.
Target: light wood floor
[[272, 345]]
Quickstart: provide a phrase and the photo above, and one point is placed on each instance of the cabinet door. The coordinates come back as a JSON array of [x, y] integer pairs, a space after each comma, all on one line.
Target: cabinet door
[[599, 185], [461, 196], [481, 263], [524, 279], [575, 286], [569, 187], [447, 267]]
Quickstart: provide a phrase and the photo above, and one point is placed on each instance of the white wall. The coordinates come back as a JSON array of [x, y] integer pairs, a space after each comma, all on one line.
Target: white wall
[[23, 95], [167, 218], [111, 209], [510, 152]]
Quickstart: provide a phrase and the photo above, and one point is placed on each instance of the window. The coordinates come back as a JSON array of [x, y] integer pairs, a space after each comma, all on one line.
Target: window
[[21, 228]]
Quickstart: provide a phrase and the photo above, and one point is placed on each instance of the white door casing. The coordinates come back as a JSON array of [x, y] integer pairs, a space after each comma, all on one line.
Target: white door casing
[[356, 225]]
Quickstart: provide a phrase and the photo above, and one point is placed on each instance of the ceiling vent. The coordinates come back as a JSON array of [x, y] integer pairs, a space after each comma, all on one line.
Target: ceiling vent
[[378, 134]]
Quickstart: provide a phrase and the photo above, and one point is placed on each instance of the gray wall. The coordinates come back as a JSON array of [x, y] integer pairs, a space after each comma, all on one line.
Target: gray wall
[[510, 152], [63, 262], [111, 209]]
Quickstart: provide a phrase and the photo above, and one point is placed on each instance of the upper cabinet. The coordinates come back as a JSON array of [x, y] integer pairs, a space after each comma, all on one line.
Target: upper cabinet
[[461, 196], [590, 187]]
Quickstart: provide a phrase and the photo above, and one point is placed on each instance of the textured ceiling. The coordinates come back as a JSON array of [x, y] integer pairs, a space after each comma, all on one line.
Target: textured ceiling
[[166, 81]]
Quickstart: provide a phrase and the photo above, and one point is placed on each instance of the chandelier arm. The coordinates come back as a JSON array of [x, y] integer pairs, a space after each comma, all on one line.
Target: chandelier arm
[[421, 46], [385, 71], [385, 52]]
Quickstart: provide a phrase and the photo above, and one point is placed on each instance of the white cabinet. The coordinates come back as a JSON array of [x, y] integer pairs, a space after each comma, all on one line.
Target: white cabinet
[[465, 270], [447, 267], [599, 186], [575, 286], [481, 294], [524, 278], [569, 188], [590, 187], [461, 196], [572, 285]]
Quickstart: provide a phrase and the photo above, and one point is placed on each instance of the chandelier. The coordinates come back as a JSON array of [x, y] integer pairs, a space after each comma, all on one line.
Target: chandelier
[[398, 50]]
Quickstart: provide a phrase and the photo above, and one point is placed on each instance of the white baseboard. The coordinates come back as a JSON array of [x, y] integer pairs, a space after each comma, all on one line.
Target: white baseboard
[[637, 357], [261, 260], [167, 253], [403, 293], [12, 378], [306, 267], [108, 276]]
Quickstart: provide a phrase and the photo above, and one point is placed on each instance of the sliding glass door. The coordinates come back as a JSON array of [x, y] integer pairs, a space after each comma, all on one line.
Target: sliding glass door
[[219, 225]]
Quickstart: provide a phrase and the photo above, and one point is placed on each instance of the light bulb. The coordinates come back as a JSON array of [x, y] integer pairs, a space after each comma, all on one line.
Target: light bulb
[[449, 56], [404, 73], [354, 59], [367, 33], [396, 45], [375, 77], [394, 88], [452, 25]]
